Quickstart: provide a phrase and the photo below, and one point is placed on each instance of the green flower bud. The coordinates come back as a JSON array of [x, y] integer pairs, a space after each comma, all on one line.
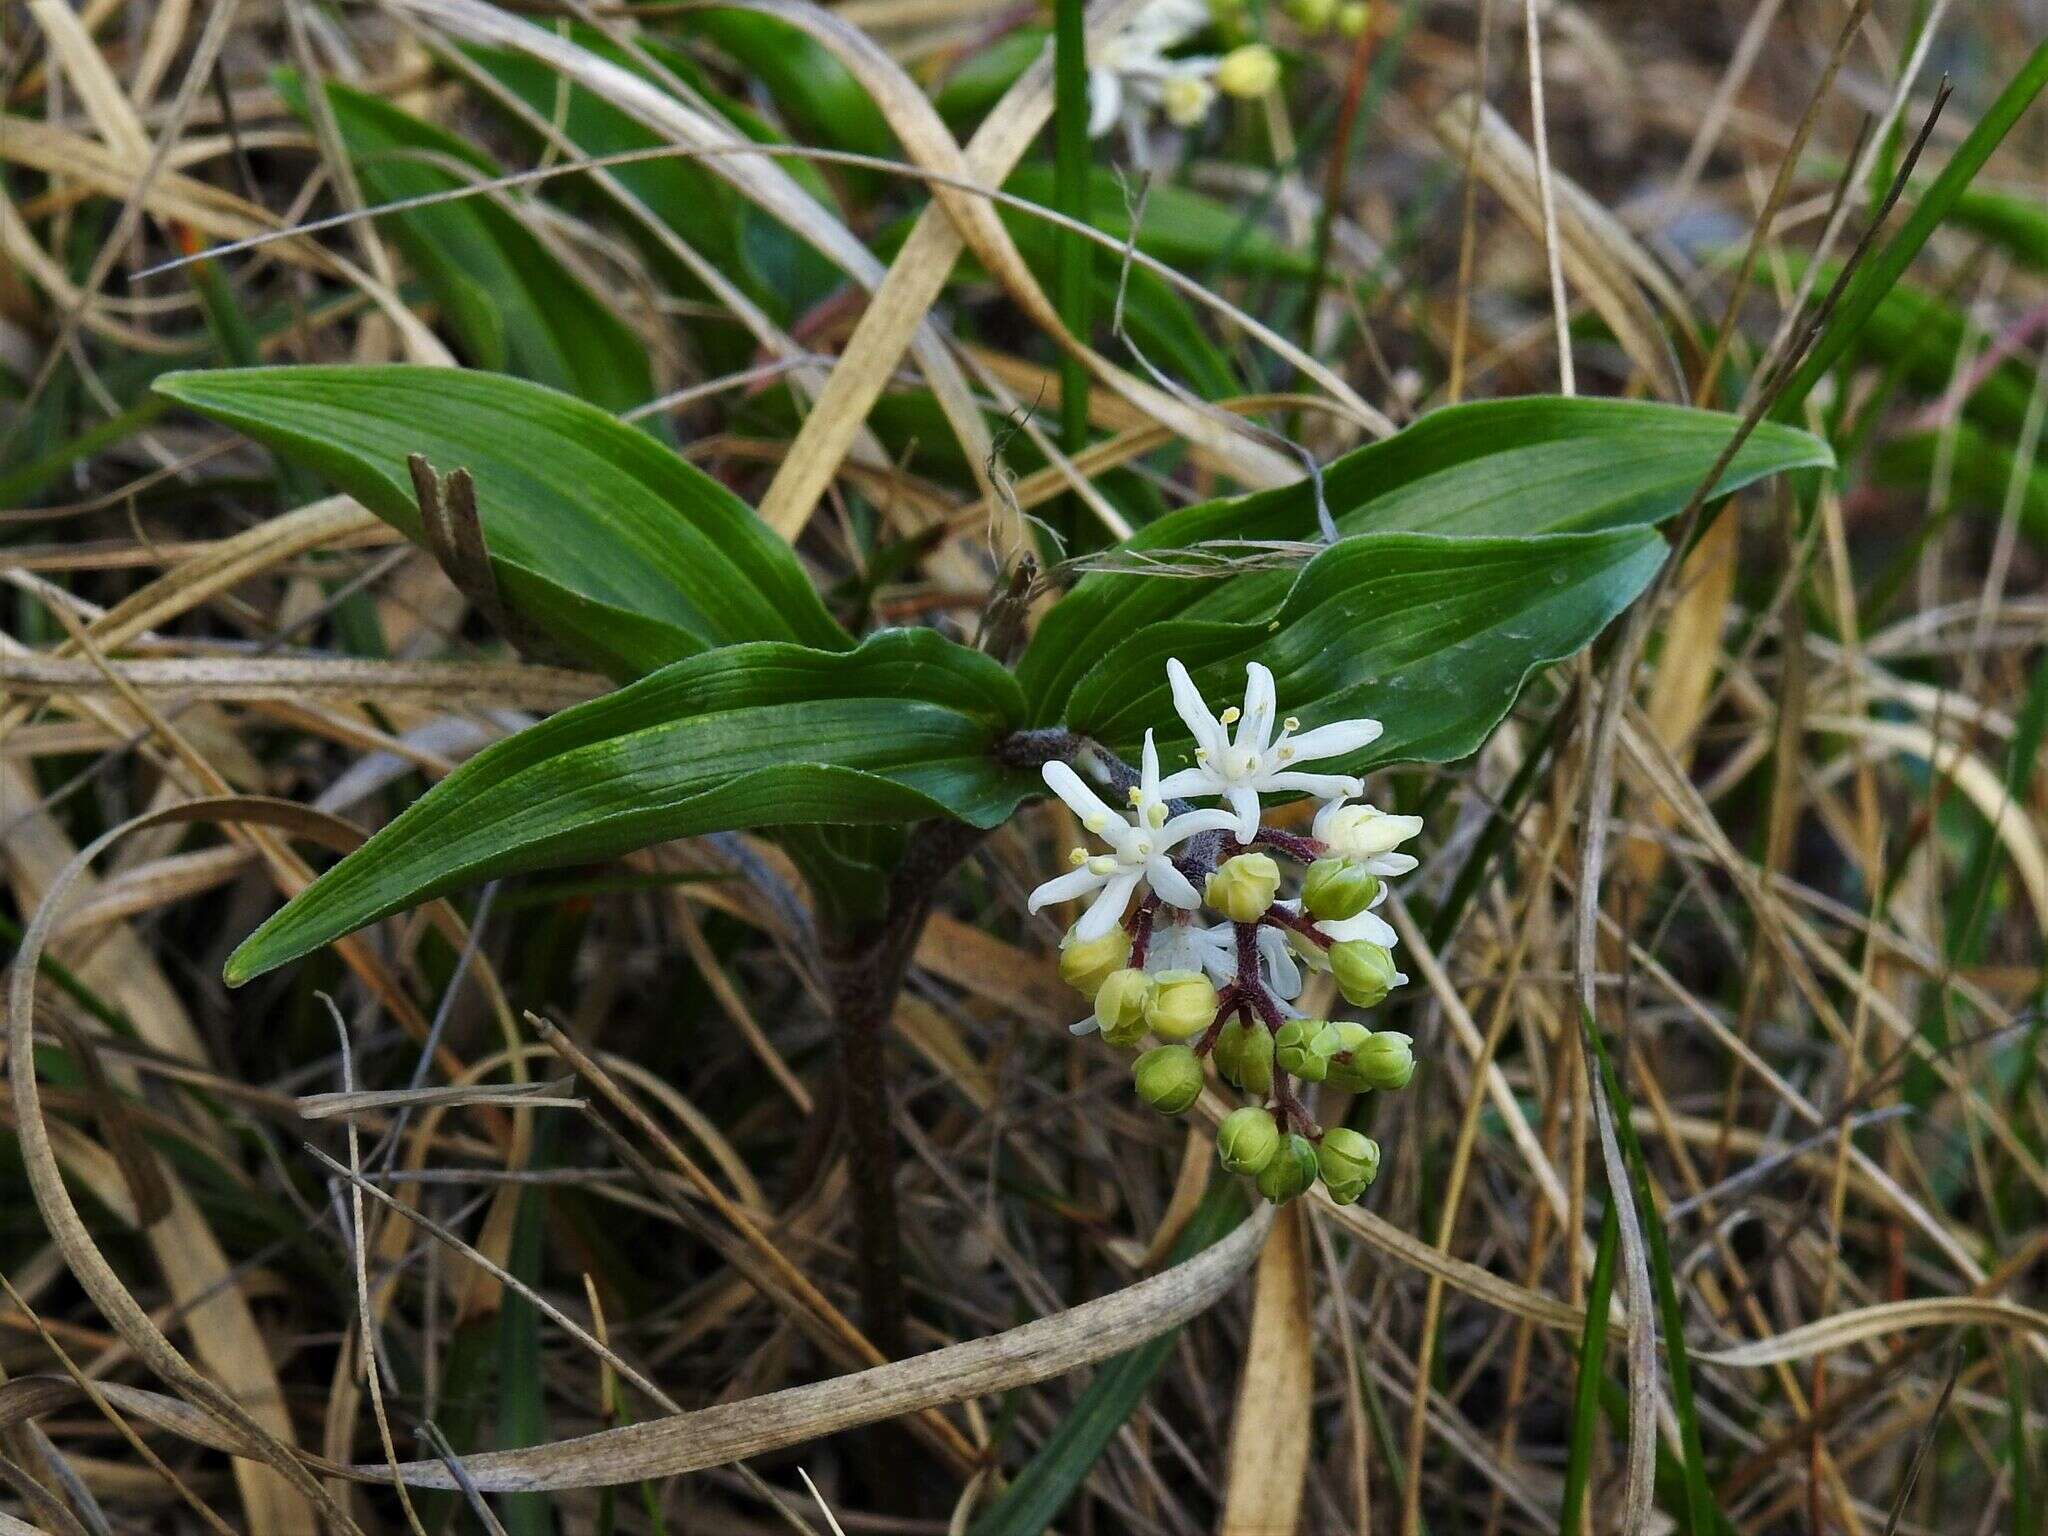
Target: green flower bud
[[1299, 1049], [1085, 964], [1335, 889], [1243, 888], [1313, 15], [1348, 1038], [1386, 1061], [1248, 71], [1244, 1054], [1182, 1004], [1348, 1163], [1120, 1006], [1168, 1077], [1365, 972], [1291, 1171], [1247, 1140], [1352, 18]]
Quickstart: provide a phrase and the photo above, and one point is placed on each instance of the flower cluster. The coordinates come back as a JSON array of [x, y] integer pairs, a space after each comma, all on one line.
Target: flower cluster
[[1135, 73], [1226, 990]]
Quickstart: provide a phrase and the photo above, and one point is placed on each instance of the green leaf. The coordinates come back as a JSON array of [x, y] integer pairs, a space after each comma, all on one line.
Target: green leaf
[[515, 307], [623, 553], [761, 735], [1434, 636], [1498, 467]]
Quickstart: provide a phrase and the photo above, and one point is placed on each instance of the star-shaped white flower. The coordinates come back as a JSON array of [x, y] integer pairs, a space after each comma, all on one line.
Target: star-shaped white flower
[[1140, 846], [1253, 762], [1367, 836], [1130, 74]]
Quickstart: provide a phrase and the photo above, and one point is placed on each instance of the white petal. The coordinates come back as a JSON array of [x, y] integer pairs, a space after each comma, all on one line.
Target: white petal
[[1173, 887], [1307, 783], [1388, 865], [1075, 882], [1183, 782], [1246, 803], [1083, 801], [1105, 101], [1187, 703], [1339, 740], [1366, 926], [1285, 975], [1325, 814], [1260, 705], [1107, 909], [1086, 1026], [1192, 824], [1148, 770]]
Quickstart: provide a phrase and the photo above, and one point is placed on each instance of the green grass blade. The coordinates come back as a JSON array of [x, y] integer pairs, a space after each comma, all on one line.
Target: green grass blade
[[1578, 1465]]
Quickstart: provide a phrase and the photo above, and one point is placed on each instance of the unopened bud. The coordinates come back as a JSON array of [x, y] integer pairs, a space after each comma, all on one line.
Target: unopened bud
[[1364, 831], [1244, 1054], [1291, 1171], [1120, 1006], [1334, 889], [1349, 1037], [1168, 1077], [1085, 964], [1243, 888], [1247, 1140], [1353, 18], [1300, 1050], [1182, 1004], [1248, 72], [1386, 1061], [1348, 1163], [1365, 972], [1313, 15], [1186, 99]]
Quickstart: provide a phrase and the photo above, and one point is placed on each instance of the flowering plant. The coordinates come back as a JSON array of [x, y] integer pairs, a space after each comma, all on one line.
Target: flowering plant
[[1409, 591]]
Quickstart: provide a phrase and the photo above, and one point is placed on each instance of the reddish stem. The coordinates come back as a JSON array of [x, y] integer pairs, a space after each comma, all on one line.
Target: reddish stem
[[1280, 917]]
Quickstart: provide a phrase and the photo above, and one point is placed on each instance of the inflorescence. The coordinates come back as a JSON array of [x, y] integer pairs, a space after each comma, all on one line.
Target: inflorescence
[[1226, 990]]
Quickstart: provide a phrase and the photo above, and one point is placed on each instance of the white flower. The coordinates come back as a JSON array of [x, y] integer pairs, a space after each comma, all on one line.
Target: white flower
[[1363, 925], [1139, 848], [1179, 945], [1367, 835], [1131, 75], [1255, 762]]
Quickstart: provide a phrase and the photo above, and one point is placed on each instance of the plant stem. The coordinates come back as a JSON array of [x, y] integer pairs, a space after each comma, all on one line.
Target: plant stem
[[864, 965]]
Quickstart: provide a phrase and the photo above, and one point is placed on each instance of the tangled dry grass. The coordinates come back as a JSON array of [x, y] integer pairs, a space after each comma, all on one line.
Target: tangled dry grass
[[469, 1187]]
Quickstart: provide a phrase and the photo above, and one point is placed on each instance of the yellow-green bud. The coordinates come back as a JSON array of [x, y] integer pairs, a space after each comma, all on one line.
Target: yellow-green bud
[[1168, 1077], [1243, 888], [1335, 889], [1313, 15], [1352, 18], [1365, 972], [1298, 1049], [1247, 1140], [1349, 1037], [1348, 1163], [1182, 1004], [1248, 71], [1292, 1170], [1120, 1006], [1386, 1061], [1244, 1054], [1085, 964]]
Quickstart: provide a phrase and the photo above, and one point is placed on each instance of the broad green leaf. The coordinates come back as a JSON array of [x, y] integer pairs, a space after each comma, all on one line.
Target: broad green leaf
[[1497, 467], [1432, 636], [624, 554], [515, 307], [764, 735], [819, 95]]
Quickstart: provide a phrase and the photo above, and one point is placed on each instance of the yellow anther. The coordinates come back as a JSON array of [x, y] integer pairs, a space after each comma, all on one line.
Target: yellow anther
[[1076, 857], [1292, 723], [1156, 815], [1231, 715], [1135, 794]]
